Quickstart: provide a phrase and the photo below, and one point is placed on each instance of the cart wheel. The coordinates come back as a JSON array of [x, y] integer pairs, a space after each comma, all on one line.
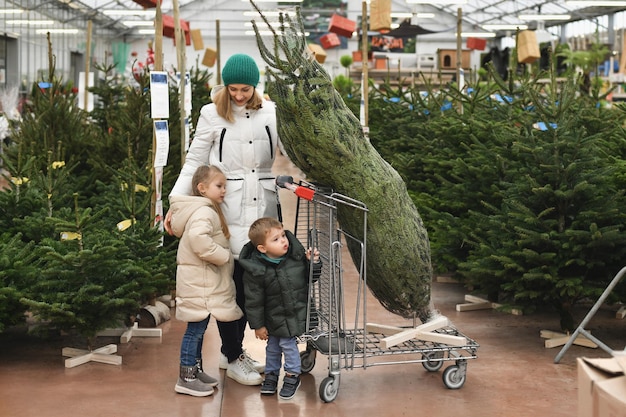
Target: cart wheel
[[453, 377], [329, 388], [433, 362], [307, 360]]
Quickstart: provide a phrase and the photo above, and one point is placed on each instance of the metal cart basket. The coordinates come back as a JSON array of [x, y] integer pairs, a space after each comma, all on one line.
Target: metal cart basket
[[350, 341]]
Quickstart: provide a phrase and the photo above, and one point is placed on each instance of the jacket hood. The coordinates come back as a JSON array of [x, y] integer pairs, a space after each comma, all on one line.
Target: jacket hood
[[215, 90], [183, 206]]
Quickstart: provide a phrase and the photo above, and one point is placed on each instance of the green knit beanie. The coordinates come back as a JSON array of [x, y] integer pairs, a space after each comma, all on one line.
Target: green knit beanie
[[240, 69]]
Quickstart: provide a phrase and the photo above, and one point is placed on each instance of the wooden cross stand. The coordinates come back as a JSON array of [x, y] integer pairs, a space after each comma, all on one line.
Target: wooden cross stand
[[105, 354], [554, 339], [127, 333], [478, 303], [396, 335]]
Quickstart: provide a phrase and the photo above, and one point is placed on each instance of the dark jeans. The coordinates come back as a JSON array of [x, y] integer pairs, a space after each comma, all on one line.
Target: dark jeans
[[232, 332], [191, 346]]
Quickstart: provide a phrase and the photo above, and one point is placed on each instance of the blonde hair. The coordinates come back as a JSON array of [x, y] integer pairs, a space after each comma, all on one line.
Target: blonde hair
[[224, 106], [208, 174], [260, 229]]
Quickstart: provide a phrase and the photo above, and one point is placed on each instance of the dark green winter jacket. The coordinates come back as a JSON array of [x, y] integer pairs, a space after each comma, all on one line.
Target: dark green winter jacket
[[276, 295]]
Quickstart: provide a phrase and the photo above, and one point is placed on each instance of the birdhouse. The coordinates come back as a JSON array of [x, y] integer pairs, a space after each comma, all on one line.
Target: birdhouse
[[330, 40], [342, 26], [169, 29], [318, 52]]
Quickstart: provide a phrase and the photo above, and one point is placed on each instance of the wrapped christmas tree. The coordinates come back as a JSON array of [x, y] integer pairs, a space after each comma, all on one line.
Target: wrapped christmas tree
[[325, 140]]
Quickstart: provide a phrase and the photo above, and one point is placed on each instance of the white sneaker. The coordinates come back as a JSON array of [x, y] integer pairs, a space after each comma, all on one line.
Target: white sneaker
[[242, 372], [256, 365]]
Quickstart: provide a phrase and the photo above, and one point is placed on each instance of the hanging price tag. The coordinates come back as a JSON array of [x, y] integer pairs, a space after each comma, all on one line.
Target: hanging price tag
[[70, 236], [124, 224]]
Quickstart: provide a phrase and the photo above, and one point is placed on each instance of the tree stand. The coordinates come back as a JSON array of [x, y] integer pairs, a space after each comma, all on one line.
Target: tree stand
[[479, 303], [127, 333], [581, 328], [105, 354]]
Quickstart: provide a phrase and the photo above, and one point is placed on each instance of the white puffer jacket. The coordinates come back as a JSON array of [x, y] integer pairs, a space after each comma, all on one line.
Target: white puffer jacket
[[204, 283], [245, 151]]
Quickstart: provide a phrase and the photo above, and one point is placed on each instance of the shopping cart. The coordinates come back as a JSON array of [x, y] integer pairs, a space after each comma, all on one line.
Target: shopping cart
[[352, 344]]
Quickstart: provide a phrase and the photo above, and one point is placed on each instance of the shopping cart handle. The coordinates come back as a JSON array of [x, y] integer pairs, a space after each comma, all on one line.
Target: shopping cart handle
[[283, 180], [304, 192], [286, 181]]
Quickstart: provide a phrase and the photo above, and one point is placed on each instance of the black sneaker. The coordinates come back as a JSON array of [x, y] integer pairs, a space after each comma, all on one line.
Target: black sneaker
[[290, 386], [269, 385]]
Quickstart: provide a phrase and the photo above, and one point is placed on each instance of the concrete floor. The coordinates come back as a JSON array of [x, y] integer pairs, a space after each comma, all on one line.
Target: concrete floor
[[514, 374]]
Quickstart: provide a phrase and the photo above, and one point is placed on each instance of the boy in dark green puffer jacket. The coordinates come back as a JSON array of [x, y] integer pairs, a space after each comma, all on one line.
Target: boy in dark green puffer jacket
[[276, 269]]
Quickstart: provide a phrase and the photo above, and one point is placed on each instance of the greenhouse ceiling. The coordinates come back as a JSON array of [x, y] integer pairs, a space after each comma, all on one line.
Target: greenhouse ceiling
[[203, 14]]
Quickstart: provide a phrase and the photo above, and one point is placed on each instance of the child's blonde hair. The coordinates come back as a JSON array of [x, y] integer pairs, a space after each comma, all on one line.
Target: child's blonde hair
[[208, 174], [224, 107], [260, 228]]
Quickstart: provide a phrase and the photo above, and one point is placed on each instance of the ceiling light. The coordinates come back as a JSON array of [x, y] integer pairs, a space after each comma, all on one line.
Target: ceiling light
[[11, 11], [598, 3], [544, 17], [30, 22], [44, 31], [134, 23], [436, 2], [270, 33], [276, 13], [272, 24], [477, 35], [146, 31], [504, 27], [147, 13]]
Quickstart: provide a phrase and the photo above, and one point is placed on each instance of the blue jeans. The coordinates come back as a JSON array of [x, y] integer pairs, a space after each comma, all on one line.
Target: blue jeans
[[191, 346], [274, 351]]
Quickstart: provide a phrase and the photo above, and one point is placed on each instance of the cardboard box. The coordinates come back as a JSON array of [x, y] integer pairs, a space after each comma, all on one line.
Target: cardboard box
[[210, 55], [318, 52], [196, 39], [330, 40], [478, 44], [527, 47], [341, 25], [601, 387], [380, 15]]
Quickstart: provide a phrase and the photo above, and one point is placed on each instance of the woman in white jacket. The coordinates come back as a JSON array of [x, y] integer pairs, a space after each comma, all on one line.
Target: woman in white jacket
[[237, 133]]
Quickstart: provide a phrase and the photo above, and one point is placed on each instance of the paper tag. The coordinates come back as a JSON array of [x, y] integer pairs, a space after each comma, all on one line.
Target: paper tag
[[70, 236]]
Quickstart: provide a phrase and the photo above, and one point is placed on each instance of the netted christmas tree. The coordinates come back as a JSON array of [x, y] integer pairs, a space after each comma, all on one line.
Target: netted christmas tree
[[326, 141]]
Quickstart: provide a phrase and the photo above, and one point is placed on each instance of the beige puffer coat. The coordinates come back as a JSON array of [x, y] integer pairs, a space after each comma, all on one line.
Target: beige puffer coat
[[204, 282]]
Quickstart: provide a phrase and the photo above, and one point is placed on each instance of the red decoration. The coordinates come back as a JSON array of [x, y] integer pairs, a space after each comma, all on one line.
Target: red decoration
[[476, 43], [342, 25], [330, 40], [148, 4], [168, 28]]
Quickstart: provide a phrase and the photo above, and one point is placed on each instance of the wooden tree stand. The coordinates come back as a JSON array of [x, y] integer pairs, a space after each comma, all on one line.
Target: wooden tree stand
[[127, 333], [479, 303], [105, 354], [396, 335], [554, 339]]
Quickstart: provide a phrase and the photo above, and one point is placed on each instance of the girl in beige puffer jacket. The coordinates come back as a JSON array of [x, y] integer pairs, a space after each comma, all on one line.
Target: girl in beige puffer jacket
[[204, 284]]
